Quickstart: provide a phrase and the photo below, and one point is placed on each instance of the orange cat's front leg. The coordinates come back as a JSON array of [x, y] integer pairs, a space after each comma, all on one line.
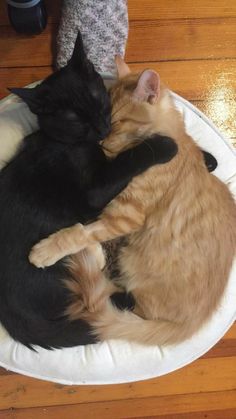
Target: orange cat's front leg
[[119, 219], [65, 242]]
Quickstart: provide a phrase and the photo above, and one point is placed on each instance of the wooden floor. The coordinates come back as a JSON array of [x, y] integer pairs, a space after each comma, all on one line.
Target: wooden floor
[[193, 46]]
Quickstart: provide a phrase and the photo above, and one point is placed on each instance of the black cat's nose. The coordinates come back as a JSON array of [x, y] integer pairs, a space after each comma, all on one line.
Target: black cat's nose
[[106, 128]]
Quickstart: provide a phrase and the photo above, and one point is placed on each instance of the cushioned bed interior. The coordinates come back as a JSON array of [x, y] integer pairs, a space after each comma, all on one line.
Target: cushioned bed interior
[[117, 361]]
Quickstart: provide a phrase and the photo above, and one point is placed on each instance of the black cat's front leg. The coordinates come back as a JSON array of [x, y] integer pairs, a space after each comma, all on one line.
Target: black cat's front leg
[[117, 173], [112, 178]]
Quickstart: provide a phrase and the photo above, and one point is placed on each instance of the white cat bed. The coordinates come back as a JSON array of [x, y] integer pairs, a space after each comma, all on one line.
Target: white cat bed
[[117, 361]]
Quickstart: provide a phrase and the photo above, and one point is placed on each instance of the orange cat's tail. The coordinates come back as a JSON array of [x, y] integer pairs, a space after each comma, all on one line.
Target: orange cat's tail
[[107, 321], [111, 323]]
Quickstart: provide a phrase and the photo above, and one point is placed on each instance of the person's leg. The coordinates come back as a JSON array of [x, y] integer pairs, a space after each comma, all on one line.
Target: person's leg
[[104, 27]]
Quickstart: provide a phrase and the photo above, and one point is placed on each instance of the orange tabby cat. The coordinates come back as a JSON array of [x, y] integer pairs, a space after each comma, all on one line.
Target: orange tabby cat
[[181, 222]]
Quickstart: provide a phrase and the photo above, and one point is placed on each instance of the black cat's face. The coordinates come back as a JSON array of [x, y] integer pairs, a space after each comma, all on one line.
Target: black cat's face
[[72, 104]]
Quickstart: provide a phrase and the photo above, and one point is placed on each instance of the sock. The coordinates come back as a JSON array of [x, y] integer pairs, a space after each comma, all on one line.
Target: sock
[[104, 27]]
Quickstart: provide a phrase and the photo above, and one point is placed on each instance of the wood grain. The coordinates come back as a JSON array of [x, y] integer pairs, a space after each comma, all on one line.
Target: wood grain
[[195, 80], [153, 9], [51, 414], [186, 9], [214, 414], [148, 41], [222, 113], [210, 85], [18, 77], [21, 51], [181, 39], [133, 408]]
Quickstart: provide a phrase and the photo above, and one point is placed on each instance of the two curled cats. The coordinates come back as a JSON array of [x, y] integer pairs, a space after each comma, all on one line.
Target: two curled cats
[[180, 223]]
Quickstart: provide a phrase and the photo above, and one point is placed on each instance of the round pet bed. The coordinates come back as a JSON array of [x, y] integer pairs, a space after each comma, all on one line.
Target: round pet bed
[[118, 361]]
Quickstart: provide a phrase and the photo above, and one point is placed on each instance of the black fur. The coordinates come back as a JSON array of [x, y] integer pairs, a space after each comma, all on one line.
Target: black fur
[[60, 176], [210, 161]]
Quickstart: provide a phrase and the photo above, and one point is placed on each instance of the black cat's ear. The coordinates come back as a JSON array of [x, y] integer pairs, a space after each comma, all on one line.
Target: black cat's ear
[[210, 161], [29, 96], [79, 60]]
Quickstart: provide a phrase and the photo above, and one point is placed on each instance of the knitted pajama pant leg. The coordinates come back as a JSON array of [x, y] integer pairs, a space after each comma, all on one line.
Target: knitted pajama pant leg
[[104, 27]]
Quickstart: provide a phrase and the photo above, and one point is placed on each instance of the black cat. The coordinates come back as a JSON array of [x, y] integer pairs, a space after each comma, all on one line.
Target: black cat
[[45, 187]]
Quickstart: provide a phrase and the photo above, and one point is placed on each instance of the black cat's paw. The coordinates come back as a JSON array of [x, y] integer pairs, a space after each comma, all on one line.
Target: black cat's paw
[[163, 148], [210, 161]]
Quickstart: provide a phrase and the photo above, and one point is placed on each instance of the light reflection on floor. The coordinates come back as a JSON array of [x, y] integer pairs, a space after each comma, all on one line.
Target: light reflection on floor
[[220, 106]]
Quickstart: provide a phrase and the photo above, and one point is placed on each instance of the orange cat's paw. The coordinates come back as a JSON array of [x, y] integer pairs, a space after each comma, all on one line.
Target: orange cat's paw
[[63, 243], [46, 253]]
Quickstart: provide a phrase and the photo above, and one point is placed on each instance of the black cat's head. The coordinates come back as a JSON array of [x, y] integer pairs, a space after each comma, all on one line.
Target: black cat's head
[[72, 104]]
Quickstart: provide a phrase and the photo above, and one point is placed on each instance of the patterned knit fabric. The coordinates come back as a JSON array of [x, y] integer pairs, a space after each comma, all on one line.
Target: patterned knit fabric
[[104, 27]]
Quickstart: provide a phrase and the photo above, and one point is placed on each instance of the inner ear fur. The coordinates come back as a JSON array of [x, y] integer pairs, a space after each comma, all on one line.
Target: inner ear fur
[[148, 87]]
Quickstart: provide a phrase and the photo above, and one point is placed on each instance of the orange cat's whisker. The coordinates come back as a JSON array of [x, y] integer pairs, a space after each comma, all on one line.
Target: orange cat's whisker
[[119, 109]]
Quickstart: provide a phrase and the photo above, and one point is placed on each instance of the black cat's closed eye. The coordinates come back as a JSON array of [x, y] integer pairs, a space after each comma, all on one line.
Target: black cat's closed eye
[[70, 115]]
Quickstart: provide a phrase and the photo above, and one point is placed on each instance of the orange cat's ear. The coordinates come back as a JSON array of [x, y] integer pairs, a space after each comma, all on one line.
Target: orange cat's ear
[[148, 87], [122, 68]]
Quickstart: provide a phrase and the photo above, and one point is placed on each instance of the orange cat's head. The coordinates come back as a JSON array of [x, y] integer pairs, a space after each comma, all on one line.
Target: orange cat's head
[[140, 104]]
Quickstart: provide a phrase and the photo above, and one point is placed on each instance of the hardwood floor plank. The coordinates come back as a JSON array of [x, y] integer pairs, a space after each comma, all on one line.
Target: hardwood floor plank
[[18, 77], [21, 51], [222, 114], [181, 39], [151, 9], [224, 348], [183, 9], [231, 334], [213, 374], [210, 85], [214, 414], [5, 372], [133, 408], [195, 80], [149, 41]]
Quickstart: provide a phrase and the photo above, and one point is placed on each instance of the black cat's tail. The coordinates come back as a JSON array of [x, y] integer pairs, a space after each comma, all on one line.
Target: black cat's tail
[[50, 334]]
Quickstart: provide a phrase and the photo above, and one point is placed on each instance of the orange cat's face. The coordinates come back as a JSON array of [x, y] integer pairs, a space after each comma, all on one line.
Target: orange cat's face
[[133, 115], [129, 119]]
